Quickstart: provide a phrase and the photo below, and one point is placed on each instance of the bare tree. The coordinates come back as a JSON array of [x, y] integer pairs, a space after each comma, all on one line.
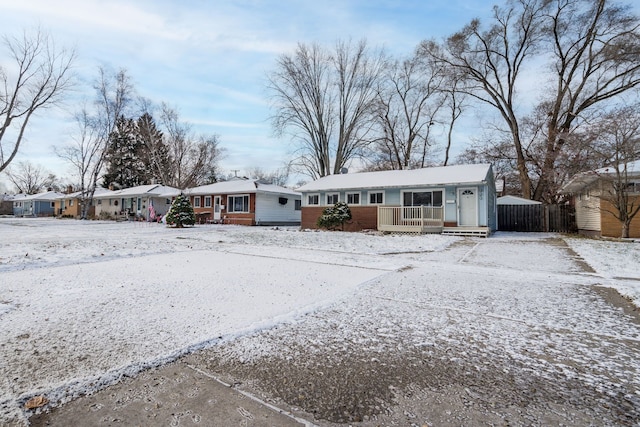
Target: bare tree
[[595, 46], [279, 176], [29, 178], [38, 77], [193, 158], [86, 152], [491, 63], [618, 135], [407, 104], [325, 101]]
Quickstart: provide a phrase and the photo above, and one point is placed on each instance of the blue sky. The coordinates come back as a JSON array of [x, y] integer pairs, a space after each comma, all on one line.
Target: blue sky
[[209, 59]]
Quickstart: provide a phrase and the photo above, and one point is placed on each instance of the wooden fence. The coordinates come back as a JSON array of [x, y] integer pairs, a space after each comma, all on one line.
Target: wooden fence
[[537, 218]]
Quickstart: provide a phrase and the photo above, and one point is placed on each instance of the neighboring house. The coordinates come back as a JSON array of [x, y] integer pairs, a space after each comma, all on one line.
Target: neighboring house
[[589, 192], [68, 205], [245, 201], [41, 204], [448, 199], [144, 202]]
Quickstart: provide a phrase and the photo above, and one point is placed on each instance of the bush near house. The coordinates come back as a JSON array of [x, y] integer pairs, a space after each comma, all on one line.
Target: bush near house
[[335, 216], [181, 212]]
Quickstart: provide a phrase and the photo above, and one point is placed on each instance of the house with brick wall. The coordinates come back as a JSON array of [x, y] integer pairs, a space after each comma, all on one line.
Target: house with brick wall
[[591, 193], [458, 200], [245, 201]]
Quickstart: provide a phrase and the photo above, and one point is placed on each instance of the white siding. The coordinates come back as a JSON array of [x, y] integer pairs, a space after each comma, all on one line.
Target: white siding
[[269, 210], [588, 211]]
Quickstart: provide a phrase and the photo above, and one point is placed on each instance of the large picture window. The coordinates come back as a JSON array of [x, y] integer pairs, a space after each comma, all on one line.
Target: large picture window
[[422, 198], [238, 204]]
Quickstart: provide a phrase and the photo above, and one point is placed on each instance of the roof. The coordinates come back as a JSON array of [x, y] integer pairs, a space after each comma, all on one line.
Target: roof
[[99, 191], [584, 179], [240, 186], [515, 200], [441, 175], [151, 190], [46, 196]]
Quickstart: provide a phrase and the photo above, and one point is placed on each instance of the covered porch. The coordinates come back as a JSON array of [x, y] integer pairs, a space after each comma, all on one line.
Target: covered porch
[[411, 219]]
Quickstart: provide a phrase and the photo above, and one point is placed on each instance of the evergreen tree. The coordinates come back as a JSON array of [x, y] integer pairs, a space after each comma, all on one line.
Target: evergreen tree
[[181, 212], [124, 166], [335, 216], [153, 151]]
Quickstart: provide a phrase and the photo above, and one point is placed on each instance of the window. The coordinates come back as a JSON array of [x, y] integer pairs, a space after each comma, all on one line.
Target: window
[[207, 201], [238, 203], [196, 201], [376, 197], [422, 198], [99, 201], [353, 198], [332, 198], [71, 202], [297, 205], [53, 204], [313, 199], [633, 187]]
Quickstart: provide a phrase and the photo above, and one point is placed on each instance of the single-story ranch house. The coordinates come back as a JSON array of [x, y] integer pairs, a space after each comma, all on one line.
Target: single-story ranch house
[[589, 193], [457, 200], [41, 204], [144, 202], [245, 201], [68, 205]]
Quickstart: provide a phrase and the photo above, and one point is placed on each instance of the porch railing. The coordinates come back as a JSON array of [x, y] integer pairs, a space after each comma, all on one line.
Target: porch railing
[[414, 219]]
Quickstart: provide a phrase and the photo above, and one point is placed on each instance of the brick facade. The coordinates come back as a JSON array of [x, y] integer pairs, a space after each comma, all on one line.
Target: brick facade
[[362, 217], [611, 227]]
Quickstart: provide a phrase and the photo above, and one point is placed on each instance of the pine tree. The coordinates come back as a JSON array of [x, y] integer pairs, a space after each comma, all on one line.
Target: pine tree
[[335, 216], [124, 166], [181, 212], [153, 151]]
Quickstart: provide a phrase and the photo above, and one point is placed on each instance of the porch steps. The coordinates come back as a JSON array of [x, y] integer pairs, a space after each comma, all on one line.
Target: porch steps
[[466, 231]]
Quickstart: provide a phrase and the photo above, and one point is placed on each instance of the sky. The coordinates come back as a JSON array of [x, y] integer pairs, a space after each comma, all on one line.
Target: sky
[[210, 59]]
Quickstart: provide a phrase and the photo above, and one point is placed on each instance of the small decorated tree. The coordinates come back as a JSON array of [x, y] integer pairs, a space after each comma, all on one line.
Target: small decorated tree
[[334, 216], [181, 212]]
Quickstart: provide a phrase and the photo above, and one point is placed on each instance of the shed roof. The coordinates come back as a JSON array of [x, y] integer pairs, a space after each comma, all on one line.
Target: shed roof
[[515, 200], [441, 175], [239, 186]]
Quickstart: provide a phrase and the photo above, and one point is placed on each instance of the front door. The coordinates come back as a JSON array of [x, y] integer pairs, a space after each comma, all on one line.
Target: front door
[[216, 208], [468, 207]]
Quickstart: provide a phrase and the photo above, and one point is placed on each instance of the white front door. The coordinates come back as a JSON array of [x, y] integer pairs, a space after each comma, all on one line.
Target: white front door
[[468, 207], [216, 208]]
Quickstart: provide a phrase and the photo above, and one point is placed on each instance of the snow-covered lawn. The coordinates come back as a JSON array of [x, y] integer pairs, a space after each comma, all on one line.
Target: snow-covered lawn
[[83, 303]]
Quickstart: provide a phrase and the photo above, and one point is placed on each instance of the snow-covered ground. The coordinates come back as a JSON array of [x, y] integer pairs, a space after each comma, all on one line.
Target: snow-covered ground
[[83, 303]]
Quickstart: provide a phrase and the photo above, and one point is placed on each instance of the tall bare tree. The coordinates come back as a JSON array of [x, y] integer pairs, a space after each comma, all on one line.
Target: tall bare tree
[[491, 61], [325, 100], [86, 152], [29, 178], [595, 46], [193, 158], [408, 101], [37, 77]]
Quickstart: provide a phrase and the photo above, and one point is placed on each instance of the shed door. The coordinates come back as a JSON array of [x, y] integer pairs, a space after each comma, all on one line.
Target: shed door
[[468, 207], [216, 207]]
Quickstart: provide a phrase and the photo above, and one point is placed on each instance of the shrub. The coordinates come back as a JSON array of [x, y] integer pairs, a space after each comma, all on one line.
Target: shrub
[[334, 216], [181, 212]]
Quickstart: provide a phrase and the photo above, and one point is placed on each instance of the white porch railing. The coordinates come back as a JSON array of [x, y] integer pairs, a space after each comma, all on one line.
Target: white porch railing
[[415, 219]]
